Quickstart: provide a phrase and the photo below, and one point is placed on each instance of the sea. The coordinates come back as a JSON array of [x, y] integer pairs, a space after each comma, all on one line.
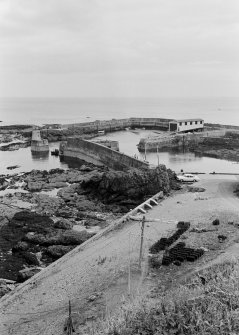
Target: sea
[[39, 111]]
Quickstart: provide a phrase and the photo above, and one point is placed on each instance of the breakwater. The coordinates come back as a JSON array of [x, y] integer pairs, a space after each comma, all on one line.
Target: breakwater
[[120, 124], [172, 141], [78, 148]]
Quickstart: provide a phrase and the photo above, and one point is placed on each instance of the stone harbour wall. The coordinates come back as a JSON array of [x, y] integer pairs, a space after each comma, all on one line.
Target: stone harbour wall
[[100, 155]]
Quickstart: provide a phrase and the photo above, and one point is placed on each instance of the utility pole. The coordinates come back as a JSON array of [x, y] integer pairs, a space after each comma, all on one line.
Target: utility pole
[[158, 154], [145, 150], [141, 242], [129, 271]]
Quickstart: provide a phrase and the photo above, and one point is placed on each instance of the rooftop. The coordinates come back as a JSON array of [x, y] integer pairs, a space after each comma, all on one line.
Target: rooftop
[[185, 120]]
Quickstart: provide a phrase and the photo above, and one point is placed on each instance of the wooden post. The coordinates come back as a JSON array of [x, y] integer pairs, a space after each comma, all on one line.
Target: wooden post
[[69, 324], [129, 271], [141, 242]]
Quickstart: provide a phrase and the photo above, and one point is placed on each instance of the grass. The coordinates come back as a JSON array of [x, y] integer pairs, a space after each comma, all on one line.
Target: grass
[[191, 308]]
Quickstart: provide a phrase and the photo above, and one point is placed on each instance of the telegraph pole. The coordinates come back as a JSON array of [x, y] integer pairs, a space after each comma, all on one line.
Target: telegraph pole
[[141, 242], [129, 270], [158, 154]]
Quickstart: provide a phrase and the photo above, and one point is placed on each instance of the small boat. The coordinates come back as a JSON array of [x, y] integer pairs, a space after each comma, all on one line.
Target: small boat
[[55, 152]]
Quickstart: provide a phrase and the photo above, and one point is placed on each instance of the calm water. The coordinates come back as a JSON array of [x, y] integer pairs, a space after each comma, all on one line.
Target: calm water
[[40, 111], [70, 110], [127, 142]]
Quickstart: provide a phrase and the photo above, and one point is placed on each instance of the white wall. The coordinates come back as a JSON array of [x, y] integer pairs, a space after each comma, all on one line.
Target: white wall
[[189, 126]]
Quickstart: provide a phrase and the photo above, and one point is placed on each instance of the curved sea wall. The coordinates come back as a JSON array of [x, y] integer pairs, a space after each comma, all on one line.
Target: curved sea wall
[[95, 153]]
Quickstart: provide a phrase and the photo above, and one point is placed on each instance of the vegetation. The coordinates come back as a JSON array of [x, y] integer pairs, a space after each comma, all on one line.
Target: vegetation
[[208, 303]]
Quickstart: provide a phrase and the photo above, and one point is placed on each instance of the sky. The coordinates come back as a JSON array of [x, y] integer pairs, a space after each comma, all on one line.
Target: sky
[[119, 48]]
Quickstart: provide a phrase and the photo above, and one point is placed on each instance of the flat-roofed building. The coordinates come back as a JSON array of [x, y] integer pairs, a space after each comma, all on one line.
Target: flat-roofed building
[[186, 125]]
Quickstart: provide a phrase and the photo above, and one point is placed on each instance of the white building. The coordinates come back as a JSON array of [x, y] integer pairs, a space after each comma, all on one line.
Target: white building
[[186, 125]]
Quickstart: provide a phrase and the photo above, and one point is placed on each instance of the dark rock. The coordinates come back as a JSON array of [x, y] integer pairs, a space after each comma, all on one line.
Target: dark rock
[[222, 238], [63, 224], [57, 251], [68, 237], [73, 237], [30, 258], [25, 274], [216, 222], [20, 246], [66, 212], [3, 184], [135, 184], [13, 167], [35, 238], [183, 225]]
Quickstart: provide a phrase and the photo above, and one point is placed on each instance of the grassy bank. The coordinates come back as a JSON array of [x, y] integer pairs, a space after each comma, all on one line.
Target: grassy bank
[[208, 303]]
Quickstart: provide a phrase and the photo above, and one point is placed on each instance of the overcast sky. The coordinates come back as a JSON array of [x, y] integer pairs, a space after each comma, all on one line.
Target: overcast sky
[[118, 48]]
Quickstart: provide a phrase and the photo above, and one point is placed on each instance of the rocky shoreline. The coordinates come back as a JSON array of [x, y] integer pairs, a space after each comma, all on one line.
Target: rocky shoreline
[[226, 147], [45, 214]]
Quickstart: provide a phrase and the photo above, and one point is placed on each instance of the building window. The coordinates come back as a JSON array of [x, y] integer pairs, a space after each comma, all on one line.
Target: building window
[[191, 123], [186, 123], [180, 123], [201, 122], [196, 122]]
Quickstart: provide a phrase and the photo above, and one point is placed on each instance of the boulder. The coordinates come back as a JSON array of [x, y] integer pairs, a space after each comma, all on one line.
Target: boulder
[[27, 273], [20, 246], [67, 237], [35, 238], [66, 212], [63, 224], [30, 258], [35, 186], [57, 251], [73, 237]]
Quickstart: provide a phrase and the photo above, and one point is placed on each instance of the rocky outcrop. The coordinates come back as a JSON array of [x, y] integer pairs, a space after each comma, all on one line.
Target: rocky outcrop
[[15, 146], [86, 197], [225, 147], [117, 186], [31, 239]]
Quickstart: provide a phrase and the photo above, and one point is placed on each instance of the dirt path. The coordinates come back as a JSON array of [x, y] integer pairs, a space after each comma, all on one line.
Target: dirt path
[[96, 278]]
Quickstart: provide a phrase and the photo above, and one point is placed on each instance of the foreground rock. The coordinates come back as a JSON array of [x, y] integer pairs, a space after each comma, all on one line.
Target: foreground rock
[[127, 189], [6, 286], [54, 225], [31, 239]]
